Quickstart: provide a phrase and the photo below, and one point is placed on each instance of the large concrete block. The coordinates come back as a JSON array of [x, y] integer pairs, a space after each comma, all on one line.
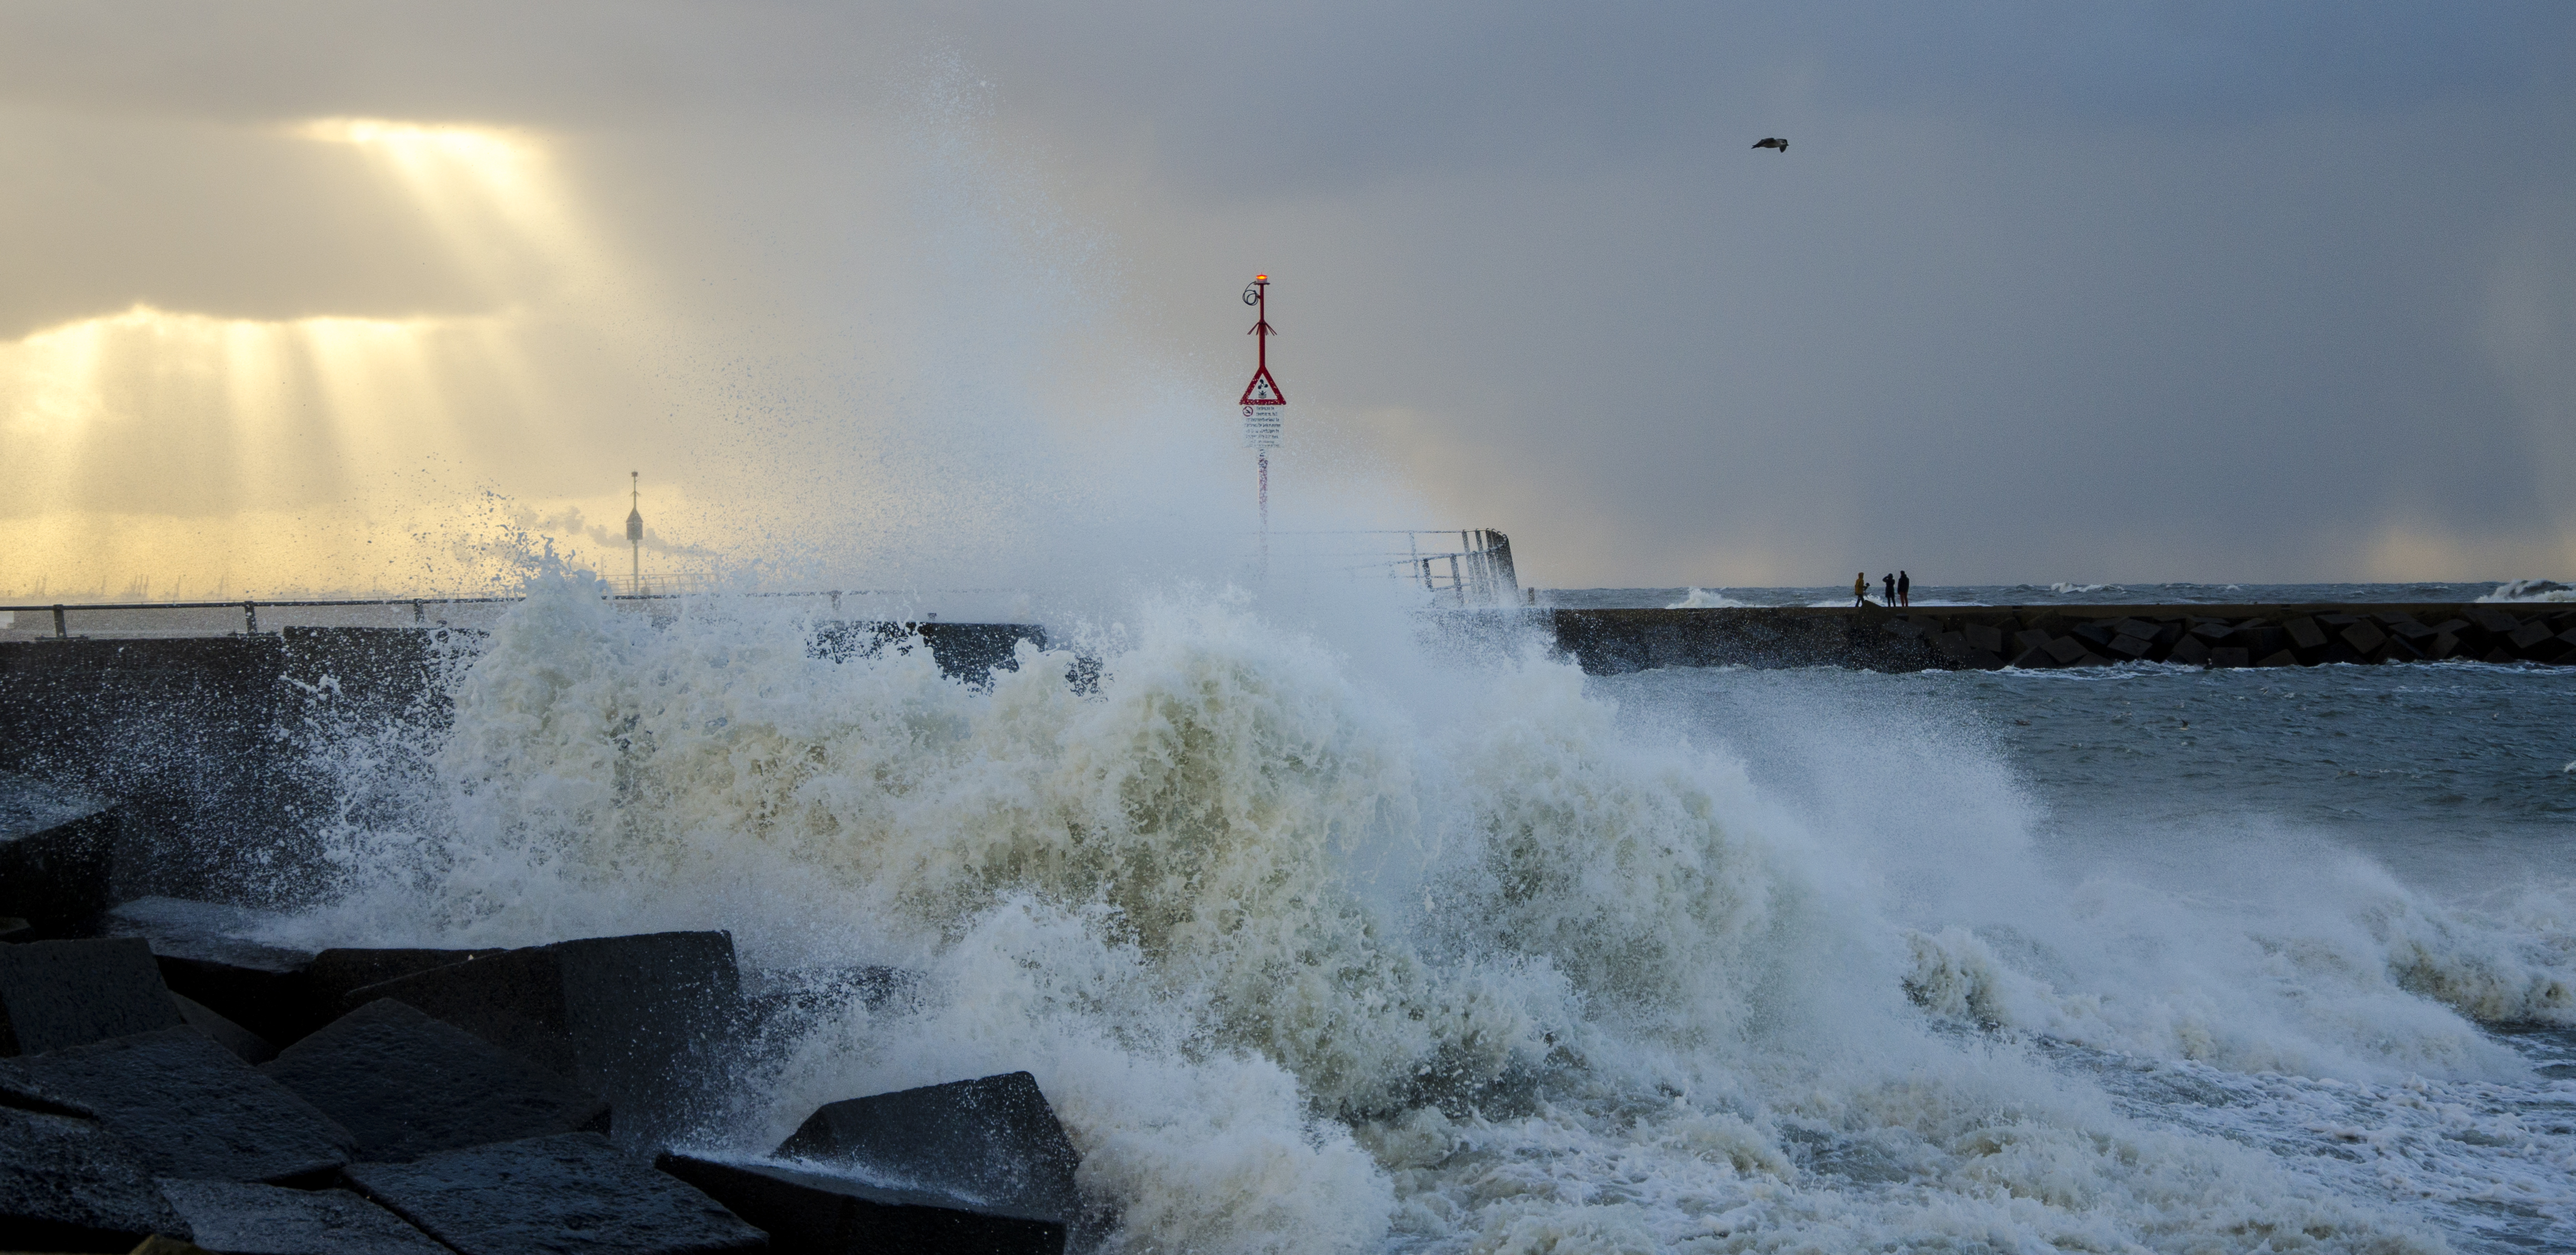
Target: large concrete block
[[994, 1138], [2230, 656], [1983, 636], [235, 1218], [638, 1020], [207, 952], [2094, 633], [2131, 647], [2035, 659], [2443, 645], [2406, 628], [2529, 634], [809, 1213], [2190, 652], [189, 1108], [248, 1046], [68, 1185], [2029, 639], [561, 1195], [2282, 658], [2494, 621], [336, 973], [55, 994], [2212, 631], [57, 854], [2067, 650], [2305, 633], [406, 1085], [2363, 635]]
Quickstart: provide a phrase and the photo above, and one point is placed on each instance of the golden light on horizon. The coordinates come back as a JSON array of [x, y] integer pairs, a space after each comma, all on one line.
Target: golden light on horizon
[[158, 434]]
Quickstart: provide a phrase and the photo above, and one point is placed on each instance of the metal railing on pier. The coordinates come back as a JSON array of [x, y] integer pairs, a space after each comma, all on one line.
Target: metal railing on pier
[[1469, 566]]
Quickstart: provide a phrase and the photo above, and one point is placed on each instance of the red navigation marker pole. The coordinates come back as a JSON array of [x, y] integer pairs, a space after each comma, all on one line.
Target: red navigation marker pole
[[1262, 401]]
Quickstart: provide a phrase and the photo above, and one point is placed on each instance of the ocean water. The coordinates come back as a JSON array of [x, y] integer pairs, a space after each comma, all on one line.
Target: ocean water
[[1323, 938], [2064, 593]]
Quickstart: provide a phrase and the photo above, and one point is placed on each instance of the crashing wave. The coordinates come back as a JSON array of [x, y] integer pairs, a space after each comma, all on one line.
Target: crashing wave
[[2531, 590], [1707, 599]]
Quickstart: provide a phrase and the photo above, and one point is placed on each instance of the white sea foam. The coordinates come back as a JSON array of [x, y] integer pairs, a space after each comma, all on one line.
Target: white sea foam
[[1310, 959], [1707, 599], [2531, 590]]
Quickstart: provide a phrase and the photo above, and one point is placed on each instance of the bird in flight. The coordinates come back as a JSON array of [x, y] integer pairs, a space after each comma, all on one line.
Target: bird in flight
[[1774, 142]]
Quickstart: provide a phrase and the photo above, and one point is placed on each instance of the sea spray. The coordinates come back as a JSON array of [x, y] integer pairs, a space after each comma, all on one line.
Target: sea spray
[[1306, 964]]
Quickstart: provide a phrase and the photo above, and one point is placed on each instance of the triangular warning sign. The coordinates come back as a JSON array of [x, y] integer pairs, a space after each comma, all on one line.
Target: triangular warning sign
[[1262, 390]]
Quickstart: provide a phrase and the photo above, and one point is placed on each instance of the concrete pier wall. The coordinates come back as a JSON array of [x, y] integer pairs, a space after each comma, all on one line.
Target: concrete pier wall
[[1993, 637]]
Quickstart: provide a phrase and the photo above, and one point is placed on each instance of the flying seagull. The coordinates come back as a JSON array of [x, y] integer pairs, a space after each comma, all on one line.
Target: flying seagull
[[1774, 142]]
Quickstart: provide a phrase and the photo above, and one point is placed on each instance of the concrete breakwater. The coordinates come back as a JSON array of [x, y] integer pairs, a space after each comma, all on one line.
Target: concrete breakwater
[[1928, 638]]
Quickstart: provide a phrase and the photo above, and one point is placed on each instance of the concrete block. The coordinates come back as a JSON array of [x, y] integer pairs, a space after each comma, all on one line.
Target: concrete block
[[336, 973], [68, 1185], [2190, 652], [2335, 621], [2140, 628], [2029, 639], [2094, 632], [248, 1046], [2443, 645], [993, 1138], [2453, 626], [2397, 649], [805, 1211], [55, 994], [1982, 636], [2499, 655], [1950, 644], [2338, 651], [206, 953], [2067, 650], [560, 1195], [1980, 660], [2405, 628], [2529, 634], [2212, 631], [13, 928], [2230, 656], [1906, 628], [2282, 658], [637, 1020], [406, 1085], [189, 1108], [2262, 640], [2035, 659], [2128, 646], [2494, 621], [234, 1218], [57, 854], [2305, 633], [2364, 636]]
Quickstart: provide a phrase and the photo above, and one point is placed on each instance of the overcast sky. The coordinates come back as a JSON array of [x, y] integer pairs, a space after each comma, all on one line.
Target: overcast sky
[[304, 295]]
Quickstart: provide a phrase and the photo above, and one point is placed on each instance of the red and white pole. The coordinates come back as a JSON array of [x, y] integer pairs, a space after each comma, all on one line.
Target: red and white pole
[[1263, 403]]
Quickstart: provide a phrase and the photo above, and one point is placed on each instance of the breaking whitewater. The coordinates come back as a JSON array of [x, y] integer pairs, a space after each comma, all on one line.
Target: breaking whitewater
[[1330, 938]]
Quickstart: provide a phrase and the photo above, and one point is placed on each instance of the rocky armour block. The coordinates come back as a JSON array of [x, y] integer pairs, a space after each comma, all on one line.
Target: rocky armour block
[[206, 954], [406, 1085], [249, 1046], [57, 852], [809, 1213], [993, 1139], [189, 1108], [558, 1195], [55, 994], [68, 1185], [336, 973], [231, 1218], [637, 1020]]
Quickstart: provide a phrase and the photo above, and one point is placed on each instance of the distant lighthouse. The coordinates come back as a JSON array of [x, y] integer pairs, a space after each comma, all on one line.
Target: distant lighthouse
[[635, 529]]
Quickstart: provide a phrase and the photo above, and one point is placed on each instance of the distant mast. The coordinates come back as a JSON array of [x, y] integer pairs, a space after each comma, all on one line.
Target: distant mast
[[1263, 404], [635, 530]]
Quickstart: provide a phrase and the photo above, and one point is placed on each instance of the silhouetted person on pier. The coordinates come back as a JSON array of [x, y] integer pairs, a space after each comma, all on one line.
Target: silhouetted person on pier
[[1860, 589], [1891, 588], [1904, 589]]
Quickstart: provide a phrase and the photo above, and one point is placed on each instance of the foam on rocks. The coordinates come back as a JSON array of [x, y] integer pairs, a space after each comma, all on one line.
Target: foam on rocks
[[69, 993], [66, 1184], [190, 1108], [232, 1218], [406, 1085], [57, 851], [561, 1195], [993, 1140], [636, 1019], [807, 1211]]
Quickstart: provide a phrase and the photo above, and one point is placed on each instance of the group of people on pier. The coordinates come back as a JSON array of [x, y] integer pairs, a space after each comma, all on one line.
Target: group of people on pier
[[1900, 589]]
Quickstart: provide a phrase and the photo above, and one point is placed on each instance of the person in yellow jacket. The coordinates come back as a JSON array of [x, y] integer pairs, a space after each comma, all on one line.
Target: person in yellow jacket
[[1860, 589]]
